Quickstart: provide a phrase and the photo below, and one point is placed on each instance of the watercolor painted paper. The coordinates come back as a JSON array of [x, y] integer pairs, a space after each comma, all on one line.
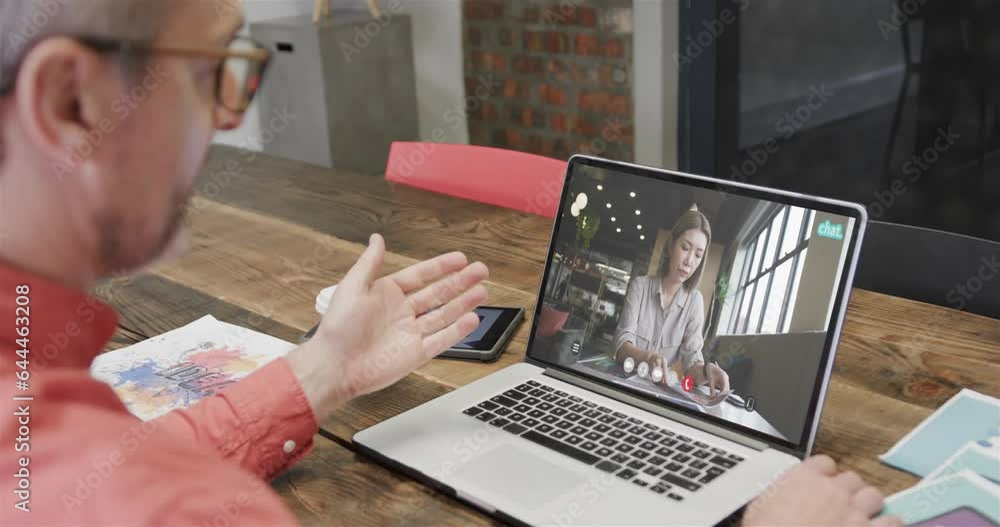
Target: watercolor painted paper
[[179, 368]]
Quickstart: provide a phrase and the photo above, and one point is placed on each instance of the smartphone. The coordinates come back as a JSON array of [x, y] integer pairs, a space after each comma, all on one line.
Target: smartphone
[[496, 327]]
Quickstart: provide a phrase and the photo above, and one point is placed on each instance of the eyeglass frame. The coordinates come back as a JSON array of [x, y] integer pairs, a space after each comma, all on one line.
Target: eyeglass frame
[[261, 55]]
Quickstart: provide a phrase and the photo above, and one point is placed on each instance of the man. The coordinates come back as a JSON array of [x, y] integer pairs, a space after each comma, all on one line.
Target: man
[[93, 181]]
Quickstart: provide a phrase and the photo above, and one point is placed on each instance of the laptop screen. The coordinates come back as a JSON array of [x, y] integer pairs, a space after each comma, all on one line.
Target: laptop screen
[[714, 300]]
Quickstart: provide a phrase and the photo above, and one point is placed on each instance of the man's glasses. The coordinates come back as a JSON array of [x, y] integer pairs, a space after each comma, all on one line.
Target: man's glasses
[[238, 79]]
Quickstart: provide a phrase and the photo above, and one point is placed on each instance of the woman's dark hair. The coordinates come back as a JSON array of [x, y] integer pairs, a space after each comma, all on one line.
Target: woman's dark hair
[[691, 219]]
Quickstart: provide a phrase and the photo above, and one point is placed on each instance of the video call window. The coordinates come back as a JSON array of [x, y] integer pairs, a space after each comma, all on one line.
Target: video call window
[[666, 288]]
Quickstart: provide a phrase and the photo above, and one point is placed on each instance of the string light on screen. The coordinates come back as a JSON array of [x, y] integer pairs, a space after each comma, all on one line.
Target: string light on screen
[[613, 219], [600, 187], [638, 227], [642, 237], [638, 212], [579, 204], [631, 194], [609, 205], [619, 229]]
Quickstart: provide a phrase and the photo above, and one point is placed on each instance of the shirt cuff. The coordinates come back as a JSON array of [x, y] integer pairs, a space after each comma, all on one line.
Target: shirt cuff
[[622, 339], [277, 418]]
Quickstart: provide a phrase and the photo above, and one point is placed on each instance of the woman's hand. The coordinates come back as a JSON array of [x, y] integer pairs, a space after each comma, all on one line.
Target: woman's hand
[[656, 361], [713, 375]]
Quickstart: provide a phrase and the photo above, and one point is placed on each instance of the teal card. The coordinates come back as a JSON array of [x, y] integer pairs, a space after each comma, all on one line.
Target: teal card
[[965, 491], [967, 417], [981, 457]]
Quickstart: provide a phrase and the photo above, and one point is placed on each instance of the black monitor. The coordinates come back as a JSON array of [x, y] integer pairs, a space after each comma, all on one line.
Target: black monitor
[[893, 104]]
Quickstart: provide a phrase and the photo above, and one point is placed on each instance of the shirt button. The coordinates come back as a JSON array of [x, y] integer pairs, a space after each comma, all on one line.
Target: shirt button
[[289, 446]]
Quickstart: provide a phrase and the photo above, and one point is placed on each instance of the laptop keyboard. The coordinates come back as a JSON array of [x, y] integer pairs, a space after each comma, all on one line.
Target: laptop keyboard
[[665, 462]]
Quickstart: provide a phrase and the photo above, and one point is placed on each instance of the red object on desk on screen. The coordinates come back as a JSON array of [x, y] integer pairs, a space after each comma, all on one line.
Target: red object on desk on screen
[[688, 383], [551, 321]]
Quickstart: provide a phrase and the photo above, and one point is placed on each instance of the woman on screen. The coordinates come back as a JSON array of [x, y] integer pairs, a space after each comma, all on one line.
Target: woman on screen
[[664, 315]]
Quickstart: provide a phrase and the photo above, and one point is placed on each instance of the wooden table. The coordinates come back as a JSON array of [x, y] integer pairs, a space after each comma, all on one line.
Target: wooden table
[[269, 233]]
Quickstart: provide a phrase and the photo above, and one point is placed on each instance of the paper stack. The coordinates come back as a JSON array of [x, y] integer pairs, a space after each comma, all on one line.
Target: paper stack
[[957, 452]]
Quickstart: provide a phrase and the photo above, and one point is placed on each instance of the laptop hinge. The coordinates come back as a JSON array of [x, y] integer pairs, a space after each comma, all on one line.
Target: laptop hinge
[[656, 409]]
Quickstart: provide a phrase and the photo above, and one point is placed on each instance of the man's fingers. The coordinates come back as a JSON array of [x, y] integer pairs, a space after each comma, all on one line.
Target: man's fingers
[[869, 500], [443, 291], [887, 521], [364, 271], [438, 342], [441, 318], [417, 276], [822, 463], [850, 481]]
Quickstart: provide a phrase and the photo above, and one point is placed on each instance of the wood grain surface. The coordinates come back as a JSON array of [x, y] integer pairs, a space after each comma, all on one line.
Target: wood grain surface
[[267, 234]]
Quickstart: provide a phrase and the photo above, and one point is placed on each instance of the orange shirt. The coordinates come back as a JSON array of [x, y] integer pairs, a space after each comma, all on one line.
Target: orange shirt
[[71, 454]]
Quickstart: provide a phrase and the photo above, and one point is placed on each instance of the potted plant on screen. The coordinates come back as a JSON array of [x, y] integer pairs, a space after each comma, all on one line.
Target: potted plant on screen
[[553, 317], [719, 298]]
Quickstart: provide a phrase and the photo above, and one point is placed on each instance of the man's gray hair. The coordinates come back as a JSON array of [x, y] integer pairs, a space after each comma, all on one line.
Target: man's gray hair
[[23, 23]]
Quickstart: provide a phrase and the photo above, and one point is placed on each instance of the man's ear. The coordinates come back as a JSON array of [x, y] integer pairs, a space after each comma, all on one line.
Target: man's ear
[[58, 96]]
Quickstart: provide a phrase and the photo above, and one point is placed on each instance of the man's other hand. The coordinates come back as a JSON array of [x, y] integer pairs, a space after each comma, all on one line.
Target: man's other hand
[[814, 494], [376, 331]]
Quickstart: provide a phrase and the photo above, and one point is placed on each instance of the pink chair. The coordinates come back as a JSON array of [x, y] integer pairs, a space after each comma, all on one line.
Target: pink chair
[[514, 180]]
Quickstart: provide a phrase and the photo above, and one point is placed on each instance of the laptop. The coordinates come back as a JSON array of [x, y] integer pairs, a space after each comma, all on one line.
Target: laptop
[[575, 434]]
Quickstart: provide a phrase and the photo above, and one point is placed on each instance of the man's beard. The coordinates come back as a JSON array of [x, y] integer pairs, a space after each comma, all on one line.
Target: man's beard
[[119, 259]]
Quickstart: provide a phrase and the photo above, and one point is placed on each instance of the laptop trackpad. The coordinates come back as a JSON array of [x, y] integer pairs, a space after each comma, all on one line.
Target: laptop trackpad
[[525, 478]]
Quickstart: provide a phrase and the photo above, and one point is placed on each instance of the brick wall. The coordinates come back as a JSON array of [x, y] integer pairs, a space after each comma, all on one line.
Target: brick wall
[[553, 76]]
